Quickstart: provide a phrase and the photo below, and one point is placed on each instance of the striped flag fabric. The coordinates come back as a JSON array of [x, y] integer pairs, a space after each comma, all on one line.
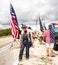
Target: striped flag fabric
[[14, 23], [41, 26]]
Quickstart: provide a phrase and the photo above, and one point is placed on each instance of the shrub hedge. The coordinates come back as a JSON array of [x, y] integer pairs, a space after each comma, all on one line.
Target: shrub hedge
[[5, 32]]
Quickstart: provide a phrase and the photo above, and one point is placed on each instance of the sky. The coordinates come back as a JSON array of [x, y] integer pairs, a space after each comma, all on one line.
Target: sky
[[28, 11]]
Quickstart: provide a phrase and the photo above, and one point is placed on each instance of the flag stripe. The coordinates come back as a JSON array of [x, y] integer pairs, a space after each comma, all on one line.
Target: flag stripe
[[14, 23]]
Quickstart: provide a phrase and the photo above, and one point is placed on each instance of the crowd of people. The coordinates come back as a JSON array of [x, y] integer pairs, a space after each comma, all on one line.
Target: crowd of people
[[27, 36]]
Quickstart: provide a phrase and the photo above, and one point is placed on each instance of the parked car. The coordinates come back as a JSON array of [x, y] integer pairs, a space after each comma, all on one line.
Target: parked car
[[55, 28]]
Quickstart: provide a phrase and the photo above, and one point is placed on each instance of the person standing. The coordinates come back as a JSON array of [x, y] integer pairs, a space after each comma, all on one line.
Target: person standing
[[50, 39], [25, 39]]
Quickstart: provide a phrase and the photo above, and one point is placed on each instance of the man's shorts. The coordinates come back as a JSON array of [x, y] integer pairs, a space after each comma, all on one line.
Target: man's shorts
[[51, 45]]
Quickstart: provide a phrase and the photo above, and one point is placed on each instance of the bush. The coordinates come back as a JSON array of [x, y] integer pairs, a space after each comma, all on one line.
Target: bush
[[5, 32]]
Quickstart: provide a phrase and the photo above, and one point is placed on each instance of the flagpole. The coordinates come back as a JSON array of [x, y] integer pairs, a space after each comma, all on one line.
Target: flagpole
[[36, 26]]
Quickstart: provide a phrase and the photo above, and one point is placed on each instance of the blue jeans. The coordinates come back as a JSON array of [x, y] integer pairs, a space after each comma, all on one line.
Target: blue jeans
[[22, 49]]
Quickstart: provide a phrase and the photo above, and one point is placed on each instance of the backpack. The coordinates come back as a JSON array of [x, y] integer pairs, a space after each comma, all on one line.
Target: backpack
[[30, 42], [27, 39]]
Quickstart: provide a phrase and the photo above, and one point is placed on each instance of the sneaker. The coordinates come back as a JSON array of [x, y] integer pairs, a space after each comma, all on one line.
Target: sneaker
[[52, 56], [27, 58], [19, 59], [47, 55]]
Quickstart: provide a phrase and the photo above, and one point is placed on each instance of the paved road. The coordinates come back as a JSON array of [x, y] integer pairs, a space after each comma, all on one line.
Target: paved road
[[7, 56], [5, 40]]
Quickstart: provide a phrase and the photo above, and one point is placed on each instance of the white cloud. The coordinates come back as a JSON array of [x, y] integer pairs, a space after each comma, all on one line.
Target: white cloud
[[29, 9], [4, 11], [1, 27]]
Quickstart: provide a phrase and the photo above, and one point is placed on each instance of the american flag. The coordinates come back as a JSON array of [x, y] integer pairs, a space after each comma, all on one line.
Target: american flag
[[41, 26], [14, 23]]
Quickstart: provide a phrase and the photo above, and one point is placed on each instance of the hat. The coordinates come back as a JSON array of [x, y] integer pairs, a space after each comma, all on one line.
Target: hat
[[23, 26]]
